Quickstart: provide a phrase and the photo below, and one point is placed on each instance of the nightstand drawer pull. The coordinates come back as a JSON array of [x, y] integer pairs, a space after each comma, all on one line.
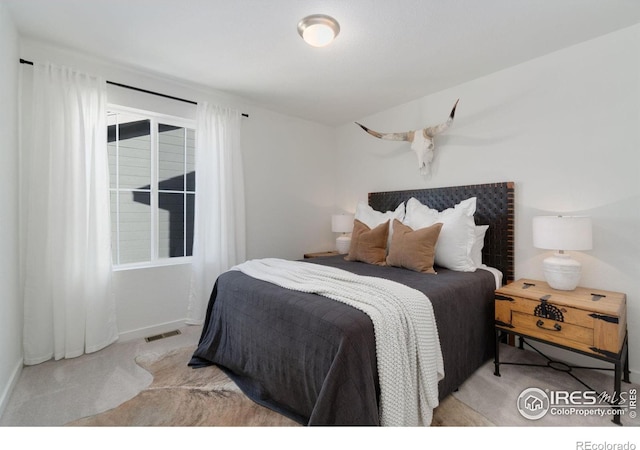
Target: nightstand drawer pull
[[547, 311], [504, 298], [556, 327]]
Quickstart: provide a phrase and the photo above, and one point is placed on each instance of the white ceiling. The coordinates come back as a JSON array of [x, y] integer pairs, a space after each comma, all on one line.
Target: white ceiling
[[387, 53]]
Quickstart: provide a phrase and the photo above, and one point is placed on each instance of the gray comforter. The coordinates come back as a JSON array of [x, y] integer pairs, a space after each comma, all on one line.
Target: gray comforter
[[313, 359]]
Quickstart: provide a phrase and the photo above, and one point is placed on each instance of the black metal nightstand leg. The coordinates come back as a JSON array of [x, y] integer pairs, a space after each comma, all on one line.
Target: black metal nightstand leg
[[625, 371], [617, 385], [496, 358]]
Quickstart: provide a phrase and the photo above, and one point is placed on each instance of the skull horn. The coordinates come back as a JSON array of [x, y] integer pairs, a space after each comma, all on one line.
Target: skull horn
[[407, 136], [432, 131]]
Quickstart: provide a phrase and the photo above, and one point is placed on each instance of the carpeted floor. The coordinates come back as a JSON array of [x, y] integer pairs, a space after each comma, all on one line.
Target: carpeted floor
[[139, 376], [181, 396], [57, 392]]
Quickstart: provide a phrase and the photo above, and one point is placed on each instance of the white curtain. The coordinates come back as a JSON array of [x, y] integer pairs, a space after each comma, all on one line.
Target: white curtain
[[219, 229], [69, 307]]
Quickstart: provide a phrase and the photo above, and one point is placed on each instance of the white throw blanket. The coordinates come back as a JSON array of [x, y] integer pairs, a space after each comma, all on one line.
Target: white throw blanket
[[407, 344]]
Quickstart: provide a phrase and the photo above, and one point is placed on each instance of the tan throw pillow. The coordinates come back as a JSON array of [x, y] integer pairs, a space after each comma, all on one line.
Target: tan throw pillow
[[413, 250], [367, 245]]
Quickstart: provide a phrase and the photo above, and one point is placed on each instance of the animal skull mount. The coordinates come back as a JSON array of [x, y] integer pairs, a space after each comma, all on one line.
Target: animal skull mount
[[421, 140]]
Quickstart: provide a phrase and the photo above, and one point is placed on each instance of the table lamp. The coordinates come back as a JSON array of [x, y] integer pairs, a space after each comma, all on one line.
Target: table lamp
[[561, 233], [342, 223]]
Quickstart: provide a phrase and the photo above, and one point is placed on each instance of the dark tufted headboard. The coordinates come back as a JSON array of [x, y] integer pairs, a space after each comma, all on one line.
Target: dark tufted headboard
[[495, 207]]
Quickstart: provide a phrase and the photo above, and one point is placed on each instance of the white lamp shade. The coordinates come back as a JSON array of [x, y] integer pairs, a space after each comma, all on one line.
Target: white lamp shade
[[562, 232], [342, 223]]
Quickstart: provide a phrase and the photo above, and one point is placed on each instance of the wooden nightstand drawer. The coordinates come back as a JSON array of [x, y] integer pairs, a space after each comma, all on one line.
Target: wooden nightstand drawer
[[551, 330], [593, 321]]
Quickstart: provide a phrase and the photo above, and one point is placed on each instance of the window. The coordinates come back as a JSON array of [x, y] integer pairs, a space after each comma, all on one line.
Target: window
[[152, 185]]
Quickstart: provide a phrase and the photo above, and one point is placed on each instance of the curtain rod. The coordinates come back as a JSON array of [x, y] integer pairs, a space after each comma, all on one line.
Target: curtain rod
[[30, 63]]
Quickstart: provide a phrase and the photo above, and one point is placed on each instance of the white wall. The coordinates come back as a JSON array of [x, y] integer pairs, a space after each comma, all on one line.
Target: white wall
[[10, 304], [288, 172], [289, 177], [565, 128]]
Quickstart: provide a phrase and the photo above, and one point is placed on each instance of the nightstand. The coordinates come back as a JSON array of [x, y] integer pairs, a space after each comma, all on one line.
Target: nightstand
[[320, 254], [591, 322]]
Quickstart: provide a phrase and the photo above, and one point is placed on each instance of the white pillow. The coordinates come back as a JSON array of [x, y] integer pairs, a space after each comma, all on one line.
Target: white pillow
[[478, 245], [457, 236], [372, 218]]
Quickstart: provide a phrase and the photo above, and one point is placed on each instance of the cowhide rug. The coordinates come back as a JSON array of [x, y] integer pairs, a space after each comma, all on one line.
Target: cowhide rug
[[181, 396]]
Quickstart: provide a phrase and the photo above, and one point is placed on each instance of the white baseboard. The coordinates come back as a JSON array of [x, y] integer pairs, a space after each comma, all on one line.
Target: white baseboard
[[8, 390], [142, 333]]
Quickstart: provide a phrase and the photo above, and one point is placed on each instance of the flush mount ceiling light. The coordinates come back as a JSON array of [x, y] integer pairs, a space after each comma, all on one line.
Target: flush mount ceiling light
[[318, 30]]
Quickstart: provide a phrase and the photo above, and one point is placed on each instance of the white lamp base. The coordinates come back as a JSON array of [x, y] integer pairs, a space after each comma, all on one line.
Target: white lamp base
[[343, 243], [562, 272]]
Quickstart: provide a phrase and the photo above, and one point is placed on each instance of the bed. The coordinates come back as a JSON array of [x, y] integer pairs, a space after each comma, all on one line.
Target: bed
[[313, 359]]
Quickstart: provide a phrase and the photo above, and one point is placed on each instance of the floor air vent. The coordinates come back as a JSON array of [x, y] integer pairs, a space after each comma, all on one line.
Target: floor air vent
[[162, 336]]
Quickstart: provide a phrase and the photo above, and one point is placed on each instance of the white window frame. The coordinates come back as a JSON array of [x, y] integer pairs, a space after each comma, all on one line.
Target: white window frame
[[155, 119]]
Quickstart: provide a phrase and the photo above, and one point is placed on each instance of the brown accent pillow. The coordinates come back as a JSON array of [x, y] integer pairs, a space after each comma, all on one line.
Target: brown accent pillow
[[411, 249], [367, 245]]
